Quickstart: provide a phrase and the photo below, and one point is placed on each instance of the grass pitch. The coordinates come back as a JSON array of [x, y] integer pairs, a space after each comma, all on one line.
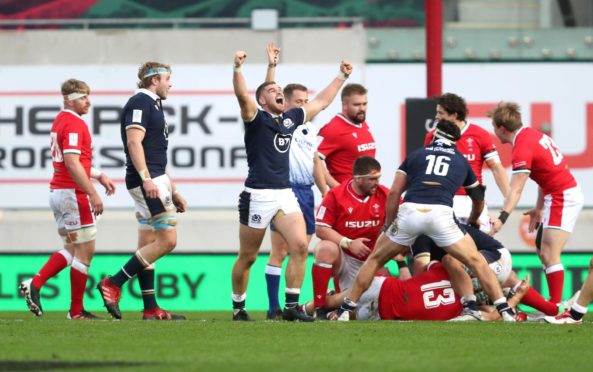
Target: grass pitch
[[210, 341]]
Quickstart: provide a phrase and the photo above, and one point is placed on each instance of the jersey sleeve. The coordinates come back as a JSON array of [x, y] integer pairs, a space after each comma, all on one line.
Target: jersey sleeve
[[522, 159], [487, 147], [137, 114], [328, 211], [296, 115], [71, 137], [403, 167], [327, 143]]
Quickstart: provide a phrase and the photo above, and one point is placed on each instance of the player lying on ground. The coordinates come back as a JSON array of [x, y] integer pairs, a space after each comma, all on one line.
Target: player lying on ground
[[428, 296], [498, 258]]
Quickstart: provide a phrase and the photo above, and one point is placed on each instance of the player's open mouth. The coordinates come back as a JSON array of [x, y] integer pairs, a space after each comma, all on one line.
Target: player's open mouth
[[279, 100]]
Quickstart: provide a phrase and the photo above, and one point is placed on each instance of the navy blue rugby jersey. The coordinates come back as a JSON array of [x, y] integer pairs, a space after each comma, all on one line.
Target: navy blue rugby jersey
[[267, 142], [142, 111], [435, 172]]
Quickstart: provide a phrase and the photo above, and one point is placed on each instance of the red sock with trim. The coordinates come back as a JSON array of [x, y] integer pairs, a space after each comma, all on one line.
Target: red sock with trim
[[535, 300], [78, 278], [56, 263], [321, 273], [555, 278]]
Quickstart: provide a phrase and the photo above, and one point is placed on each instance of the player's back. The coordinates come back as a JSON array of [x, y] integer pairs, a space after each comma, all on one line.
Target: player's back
[[537, 153], [428, 296], [476, 145], [435, 172]]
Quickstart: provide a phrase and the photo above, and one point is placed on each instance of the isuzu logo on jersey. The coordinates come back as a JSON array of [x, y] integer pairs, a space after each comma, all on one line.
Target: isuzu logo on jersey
[[359, 224], [366, 146], [282, 142]]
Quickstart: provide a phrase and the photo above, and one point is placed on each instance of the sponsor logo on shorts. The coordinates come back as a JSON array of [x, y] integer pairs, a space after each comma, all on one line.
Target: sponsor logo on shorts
[[255, 218]]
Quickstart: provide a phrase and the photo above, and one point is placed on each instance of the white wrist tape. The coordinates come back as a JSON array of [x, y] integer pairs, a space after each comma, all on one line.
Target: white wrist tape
[[343, 76], [95, 173], [345, 242]]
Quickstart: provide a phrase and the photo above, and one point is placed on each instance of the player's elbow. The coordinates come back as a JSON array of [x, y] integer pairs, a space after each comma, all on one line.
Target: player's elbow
[[477, 193]]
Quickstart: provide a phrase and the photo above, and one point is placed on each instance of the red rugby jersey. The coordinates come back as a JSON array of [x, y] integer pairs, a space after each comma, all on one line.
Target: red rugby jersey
[[341, 142], [352, 215], [69, 135]]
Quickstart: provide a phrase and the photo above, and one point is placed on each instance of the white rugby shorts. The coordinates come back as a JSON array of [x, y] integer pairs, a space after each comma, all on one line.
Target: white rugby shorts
[[368, 304], [72, 210], [349, 267], [434, 220], [147, 208], [257, 207], [462, 206], [562, 209]]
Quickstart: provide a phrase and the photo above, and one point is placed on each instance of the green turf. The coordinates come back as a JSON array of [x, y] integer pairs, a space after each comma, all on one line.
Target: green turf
[[209, 341]]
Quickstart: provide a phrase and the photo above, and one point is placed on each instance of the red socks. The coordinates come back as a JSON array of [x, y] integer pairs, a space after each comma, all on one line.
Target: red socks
[[56, 263], [321, 273]]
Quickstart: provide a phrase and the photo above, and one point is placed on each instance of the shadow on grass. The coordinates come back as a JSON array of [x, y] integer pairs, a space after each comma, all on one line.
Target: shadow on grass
[[48, 365]]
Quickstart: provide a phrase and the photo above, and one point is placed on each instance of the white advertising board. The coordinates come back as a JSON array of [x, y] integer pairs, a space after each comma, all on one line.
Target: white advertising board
[[206, 155]]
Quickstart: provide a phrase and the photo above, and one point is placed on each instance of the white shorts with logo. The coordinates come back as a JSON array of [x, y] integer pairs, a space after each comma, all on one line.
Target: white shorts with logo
[[257, 207], [462, 206], [368, 304], [502, 267], [72, 210], [434, 220], [349, 267], [147, 208], [561, 210]]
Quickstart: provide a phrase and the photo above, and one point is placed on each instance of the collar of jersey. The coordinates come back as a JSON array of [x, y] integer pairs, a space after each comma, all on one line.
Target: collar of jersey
[[465, 127], [517, 135], [72, 112], [152, 95], [351, 191], [348, 121]]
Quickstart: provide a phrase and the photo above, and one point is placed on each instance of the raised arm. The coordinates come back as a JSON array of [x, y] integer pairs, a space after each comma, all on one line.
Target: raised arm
[[327, 95], [247, 104], [273, 58]]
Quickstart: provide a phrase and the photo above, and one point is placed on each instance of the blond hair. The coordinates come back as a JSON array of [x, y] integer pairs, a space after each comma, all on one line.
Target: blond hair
[[507, 115], [75, 86], [146, 82]]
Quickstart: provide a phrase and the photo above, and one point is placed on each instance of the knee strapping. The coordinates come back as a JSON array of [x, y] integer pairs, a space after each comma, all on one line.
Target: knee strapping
[[84, 235], [163, 222]]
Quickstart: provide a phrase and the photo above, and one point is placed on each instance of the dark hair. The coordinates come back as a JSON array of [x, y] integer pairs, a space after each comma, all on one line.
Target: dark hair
[[351, 89], [365, 165], [453, 104], [448, 130], [291, 88], [261, 88]]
